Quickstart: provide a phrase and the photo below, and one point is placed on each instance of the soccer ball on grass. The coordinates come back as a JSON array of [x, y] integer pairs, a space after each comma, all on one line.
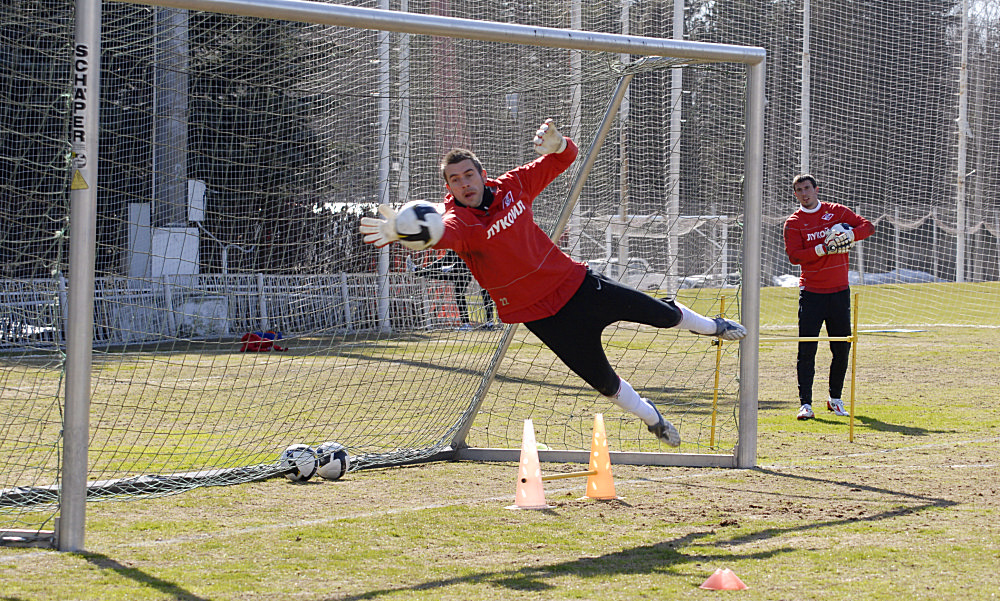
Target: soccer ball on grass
[[333, 460], [299, 462]]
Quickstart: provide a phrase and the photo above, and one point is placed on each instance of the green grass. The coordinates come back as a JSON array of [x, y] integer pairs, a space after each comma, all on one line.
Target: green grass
[[899, 305], [908, 510]]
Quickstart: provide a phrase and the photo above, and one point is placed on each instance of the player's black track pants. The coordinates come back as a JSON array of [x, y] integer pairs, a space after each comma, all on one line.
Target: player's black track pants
[[814, 310], [574, 333]]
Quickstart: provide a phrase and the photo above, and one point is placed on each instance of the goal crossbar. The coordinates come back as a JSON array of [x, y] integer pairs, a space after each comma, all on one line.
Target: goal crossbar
[[487, 31]]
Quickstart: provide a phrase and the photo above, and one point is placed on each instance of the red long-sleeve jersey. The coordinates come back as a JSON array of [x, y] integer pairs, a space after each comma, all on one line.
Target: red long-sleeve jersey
[[805, 229], [526, 274]]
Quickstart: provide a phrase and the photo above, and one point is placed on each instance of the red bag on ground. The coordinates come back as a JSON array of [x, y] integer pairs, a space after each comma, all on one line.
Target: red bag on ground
[[261, 342]]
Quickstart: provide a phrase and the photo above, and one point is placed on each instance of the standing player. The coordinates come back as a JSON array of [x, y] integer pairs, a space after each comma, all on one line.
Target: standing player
[[489, 223], [818, 237], [451, 268]]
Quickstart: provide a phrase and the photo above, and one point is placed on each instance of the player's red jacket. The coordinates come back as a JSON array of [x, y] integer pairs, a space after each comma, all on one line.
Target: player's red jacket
[[527, 275], [805, 229]]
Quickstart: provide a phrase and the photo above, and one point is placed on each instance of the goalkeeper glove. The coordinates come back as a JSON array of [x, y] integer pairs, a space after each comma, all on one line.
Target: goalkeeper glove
[[841, 242], [380, 231], [823, 249], [548, 139]]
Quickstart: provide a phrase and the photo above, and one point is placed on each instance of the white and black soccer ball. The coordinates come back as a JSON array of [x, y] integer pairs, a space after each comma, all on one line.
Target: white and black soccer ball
[[333, 460], [299, 462], [419, 225], [840, 228]]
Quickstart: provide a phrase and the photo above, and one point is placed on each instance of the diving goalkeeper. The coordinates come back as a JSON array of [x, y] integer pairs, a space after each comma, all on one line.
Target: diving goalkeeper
[[489, 223]]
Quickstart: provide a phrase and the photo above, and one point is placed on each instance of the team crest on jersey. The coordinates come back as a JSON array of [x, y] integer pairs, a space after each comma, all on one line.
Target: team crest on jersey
[[827, 216], [508, 200]]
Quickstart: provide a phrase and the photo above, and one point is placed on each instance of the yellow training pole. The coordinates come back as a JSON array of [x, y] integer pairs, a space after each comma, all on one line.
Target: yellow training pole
[[854, 365], [569, 475], [718, 369]]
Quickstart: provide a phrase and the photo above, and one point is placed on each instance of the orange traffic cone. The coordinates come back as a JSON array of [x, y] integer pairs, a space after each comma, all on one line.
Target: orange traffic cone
[[724, 580], [602, 484], [530, 494]]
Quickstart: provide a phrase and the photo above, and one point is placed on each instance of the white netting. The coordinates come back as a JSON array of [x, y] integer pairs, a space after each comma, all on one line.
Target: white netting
[[237, 155], [896, 105]]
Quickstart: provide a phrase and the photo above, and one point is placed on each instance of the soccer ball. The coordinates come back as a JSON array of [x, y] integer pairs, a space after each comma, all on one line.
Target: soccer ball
[[840, 228], [299, 462], [333, 460], [419, 225]]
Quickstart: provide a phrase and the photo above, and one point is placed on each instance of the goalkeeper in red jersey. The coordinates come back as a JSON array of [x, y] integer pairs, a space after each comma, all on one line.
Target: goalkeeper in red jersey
[[489, 223], [818, 237]]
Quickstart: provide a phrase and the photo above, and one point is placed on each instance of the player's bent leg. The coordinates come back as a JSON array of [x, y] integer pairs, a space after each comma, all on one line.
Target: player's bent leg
[[574, 335], [720, 327]]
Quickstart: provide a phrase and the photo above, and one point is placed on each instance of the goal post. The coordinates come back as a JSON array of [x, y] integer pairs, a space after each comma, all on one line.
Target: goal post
[[681, 52]]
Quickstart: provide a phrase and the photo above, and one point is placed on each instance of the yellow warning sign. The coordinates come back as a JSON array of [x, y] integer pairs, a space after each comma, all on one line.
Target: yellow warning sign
[[78, 182]]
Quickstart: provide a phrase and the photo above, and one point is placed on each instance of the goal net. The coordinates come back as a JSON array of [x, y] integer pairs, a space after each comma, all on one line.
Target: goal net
[[236, 309]]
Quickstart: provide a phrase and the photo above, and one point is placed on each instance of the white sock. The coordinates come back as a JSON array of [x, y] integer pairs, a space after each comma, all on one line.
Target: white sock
[[629, 400], [695, 322]]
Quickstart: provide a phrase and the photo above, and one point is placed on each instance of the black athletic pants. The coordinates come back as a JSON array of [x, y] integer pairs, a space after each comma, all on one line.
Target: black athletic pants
[[574, 333], [814, 309]]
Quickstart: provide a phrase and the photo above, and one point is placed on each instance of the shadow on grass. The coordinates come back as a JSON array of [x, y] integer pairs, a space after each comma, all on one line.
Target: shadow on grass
[[670, 556], [922, 503], [878, 425], [881, 426], [141, 578], [863, 421], [659, 557]]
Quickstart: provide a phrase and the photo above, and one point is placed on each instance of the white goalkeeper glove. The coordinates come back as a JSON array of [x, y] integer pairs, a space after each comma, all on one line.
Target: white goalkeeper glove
[[823, 249], [548, 139], [839, 238], [840, 242], [380, 231]]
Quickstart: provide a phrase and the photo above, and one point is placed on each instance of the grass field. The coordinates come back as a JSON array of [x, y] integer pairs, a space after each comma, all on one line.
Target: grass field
[[908, 510]]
